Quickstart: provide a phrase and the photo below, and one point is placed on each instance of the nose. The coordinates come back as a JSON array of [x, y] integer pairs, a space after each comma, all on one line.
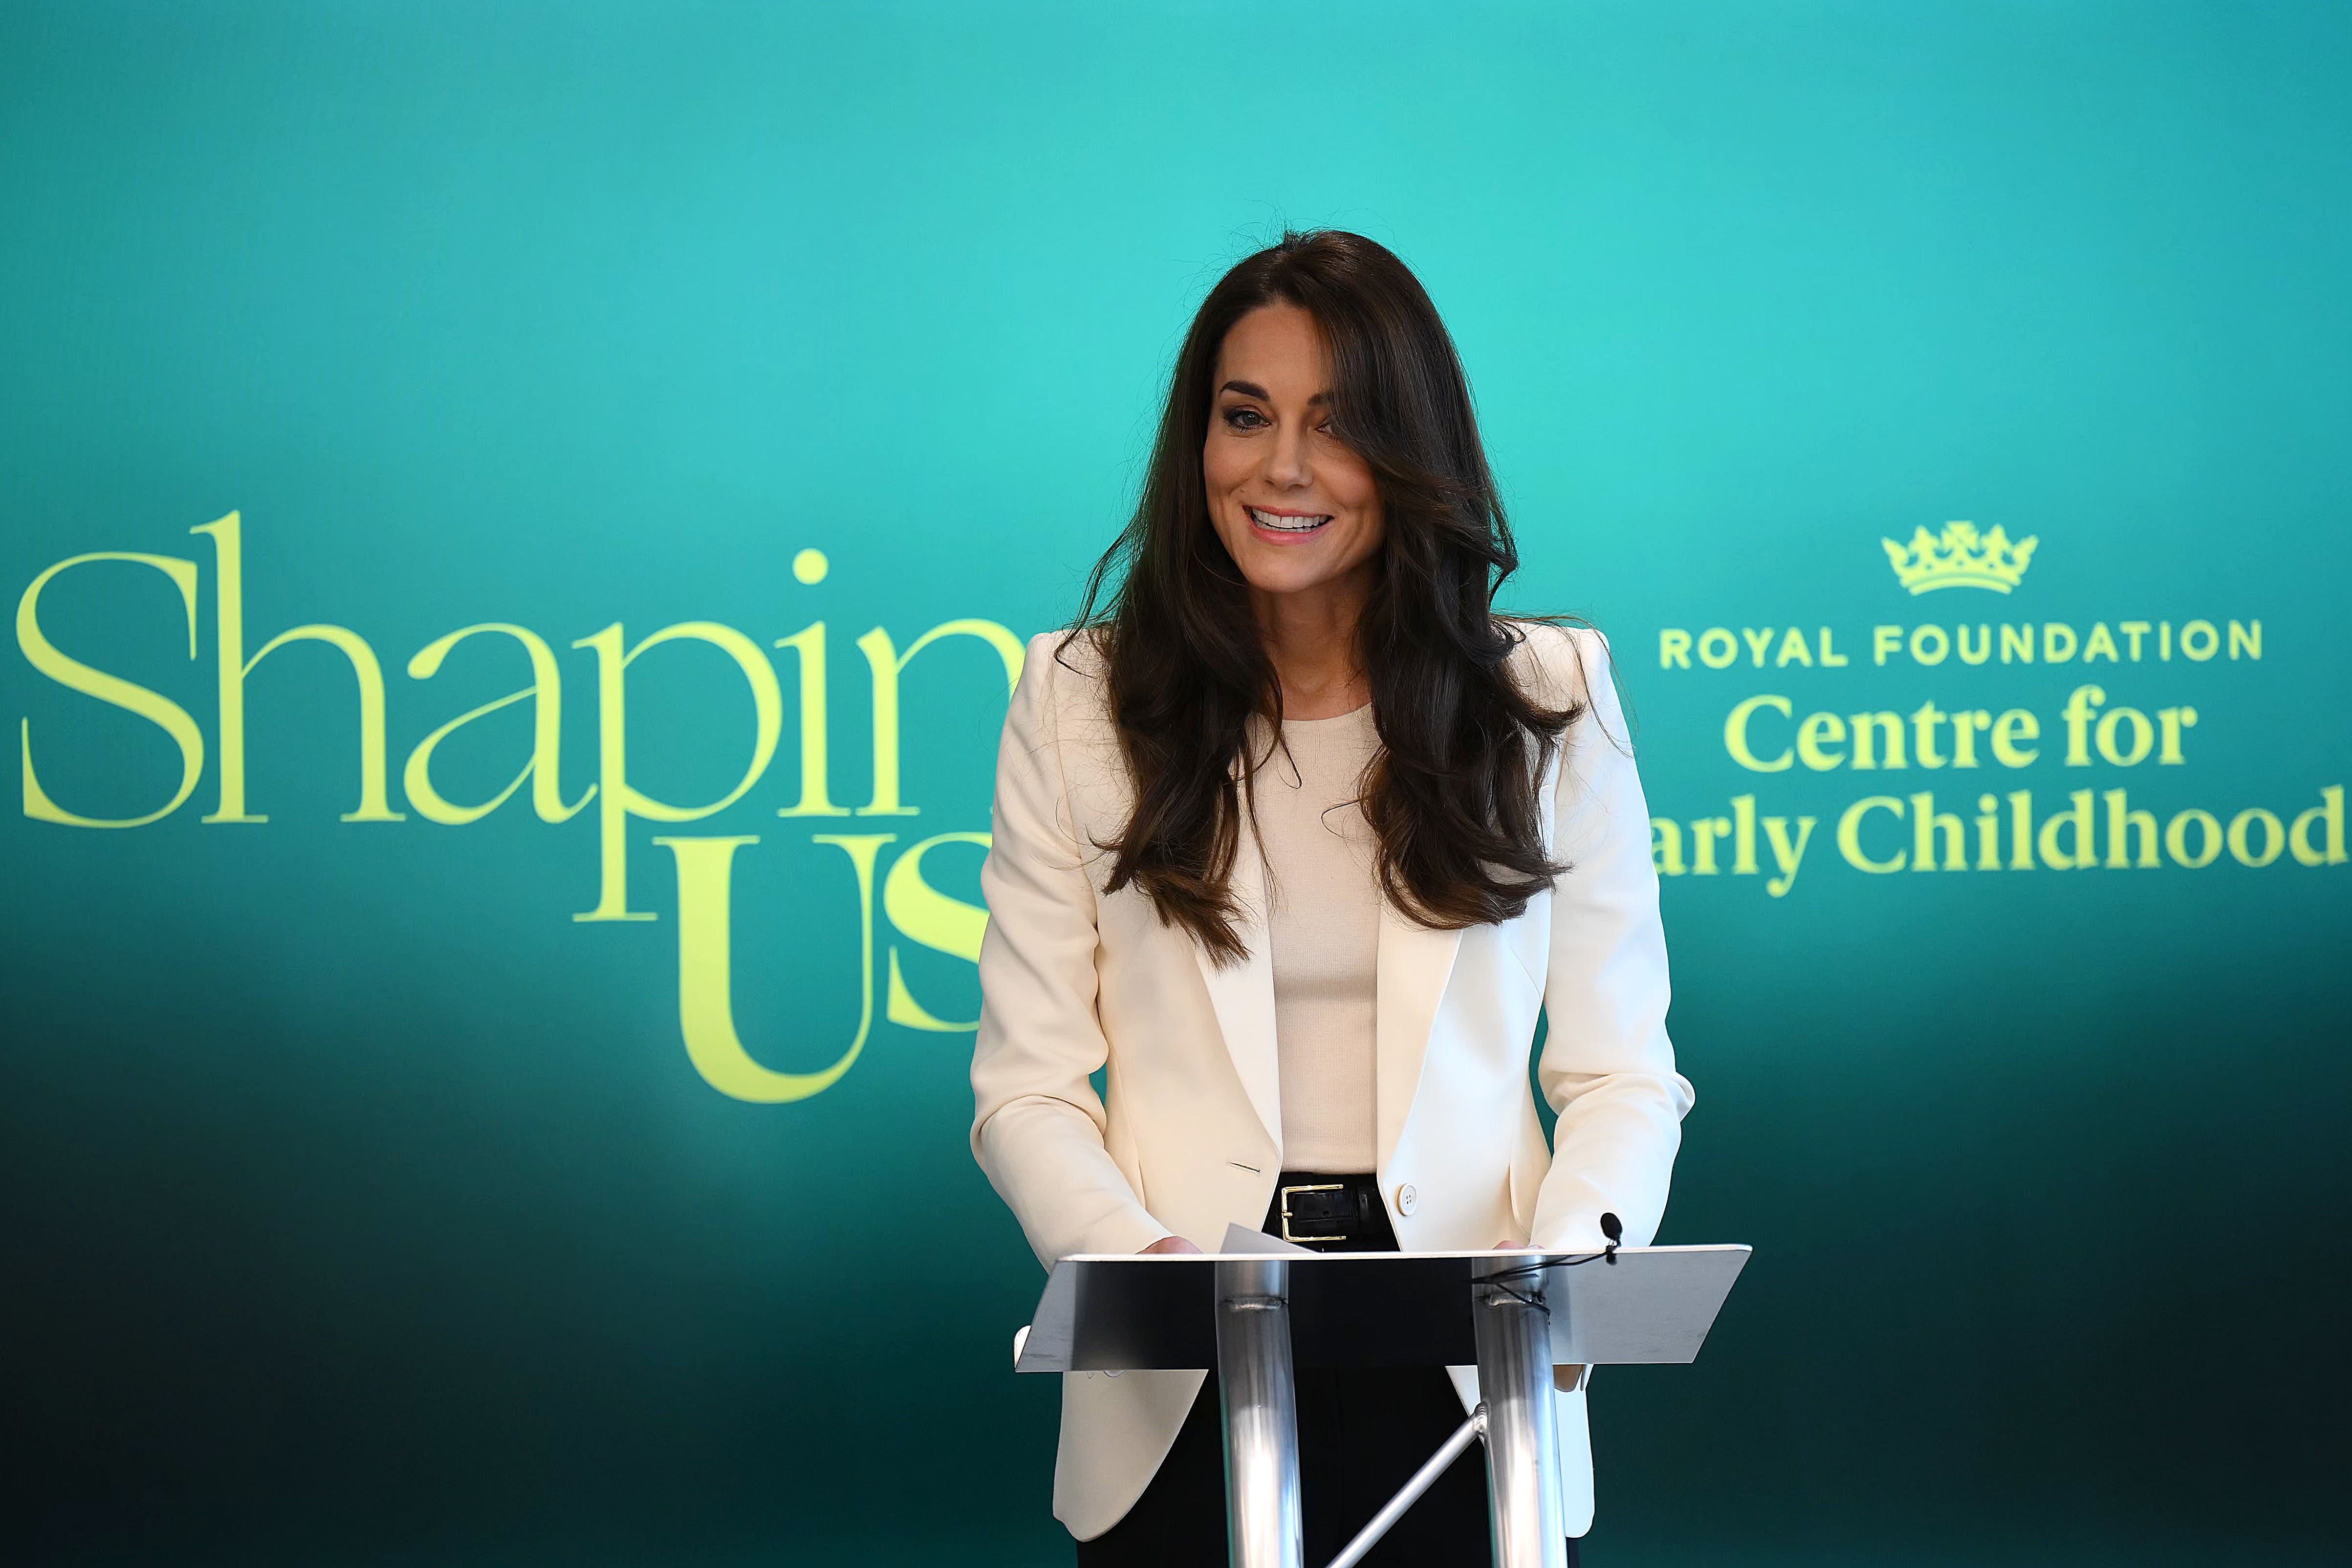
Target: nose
[[1287, 464]]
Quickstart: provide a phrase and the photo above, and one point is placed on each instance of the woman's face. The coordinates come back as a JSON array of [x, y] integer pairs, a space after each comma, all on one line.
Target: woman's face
[[1297, 509]]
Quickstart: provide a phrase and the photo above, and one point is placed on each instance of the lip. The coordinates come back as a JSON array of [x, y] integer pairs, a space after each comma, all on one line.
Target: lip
[[1293, 534]]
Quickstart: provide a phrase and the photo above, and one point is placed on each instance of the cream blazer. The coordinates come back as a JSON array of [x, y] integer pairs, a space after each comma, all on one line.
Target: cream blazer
[[1073, 978]]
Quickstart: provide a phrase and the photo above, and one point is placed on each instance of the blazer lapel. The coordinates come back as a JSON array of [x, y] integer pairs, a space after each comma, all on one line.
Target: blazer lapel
[[1242, 992], [1415, 965]]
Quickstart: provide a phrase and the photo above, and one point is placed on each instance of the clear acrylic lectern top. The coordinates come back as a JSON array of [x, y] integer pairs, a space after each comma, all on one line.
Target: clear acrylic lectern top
[[1127, 1312]]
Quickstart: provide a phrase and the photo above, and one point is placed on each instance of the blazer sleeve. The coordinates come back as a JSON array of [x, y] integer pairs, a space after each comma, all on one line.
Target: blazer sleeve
[[1037, 1124], [1607, 1068]]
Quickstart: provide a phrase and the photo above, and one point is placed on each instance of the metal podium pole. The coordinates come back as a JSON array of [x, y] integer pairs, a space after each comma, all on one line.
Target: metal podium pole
[[1263, 1520], [1514, 1337]]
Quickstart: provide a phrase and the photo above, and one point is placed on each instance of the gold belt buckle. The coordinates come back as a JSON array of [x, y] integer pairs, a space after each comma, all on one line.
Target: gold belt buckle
[[1320, 1187]]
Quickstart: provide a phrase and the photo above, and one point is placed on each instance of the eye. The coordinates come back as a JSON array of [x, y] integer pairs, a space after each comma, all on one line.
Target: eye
[[1244, 418]]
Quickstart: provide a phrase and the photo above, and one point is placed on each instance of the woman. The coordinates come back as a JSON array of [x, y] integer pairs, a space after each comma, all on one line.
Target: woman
[[1296, 836]]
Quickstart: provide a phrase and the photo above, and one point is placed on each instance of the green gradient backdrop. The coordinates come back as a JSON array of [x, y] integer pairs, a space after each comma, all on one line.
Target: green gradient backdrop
[[361, 1207]]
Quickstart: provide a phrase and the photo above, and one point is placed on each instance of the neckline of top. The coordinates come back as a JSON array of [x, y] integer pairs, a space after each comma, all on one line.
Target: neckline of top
[[1362, 711]]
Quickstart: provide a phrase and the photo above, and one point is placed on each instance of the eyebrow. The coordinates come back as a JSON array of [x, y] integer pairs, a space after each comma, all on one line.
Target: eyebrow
[[1252, 389]]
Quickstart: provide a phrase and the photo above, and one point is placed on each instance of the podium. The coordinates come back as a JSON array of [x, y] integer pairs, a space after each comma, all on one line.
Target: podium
[[1259, 1307]]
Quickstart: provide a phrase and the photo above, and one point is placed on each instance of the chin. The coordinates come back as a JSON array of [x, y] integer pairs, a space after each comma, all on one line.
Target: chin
[[1283, 576]]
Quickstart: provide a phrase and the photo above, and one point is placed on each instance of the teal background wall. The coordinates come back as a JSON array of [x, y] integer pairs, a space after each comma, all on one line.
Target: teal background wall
[[361, 1205]]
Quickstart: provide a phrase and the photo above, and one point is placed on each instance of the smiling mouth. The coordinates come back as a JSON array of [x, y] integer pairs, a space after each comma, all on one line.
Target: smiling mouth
[[1288, 521]]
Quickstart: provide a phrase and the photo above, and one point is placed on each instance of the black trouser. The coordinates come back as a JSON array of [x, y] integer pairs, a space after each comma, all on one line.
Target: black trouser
[[1362, 1432]]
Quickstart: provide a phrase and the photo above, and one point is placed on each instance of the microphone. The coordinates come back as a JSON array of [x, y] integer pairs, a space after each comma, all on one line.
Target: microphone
[[1615, 1229]]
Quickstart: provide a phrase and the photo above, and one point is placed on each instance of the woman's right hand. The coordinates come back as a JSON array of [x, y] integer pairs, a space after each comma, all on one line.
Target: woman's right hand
[[1172, 1244]]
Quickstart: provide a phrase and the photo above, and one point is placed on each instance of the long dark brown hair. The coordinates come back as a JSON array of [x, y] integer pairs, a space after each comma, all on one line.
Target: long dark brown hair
[[1451, 797]]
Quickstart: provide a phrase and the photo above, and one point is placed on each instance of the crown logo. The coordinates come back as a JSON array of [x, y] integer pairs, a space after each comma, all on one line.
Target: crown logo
[[1960, 559]]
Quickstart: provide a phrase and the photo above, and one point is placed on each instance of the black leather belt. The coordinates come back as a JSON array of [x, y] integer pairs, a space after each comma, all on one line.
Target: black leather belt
[[1330, 1212]]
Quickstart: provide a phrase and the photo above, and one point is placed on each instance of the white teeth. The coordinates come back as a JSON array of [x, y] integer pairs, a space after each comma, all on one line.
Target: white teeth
[[1282, 524]]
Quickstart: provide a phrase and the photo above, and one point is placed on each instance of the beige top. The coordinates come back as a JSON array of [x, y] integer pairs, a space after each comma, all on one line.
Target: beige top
[[1324, 933]]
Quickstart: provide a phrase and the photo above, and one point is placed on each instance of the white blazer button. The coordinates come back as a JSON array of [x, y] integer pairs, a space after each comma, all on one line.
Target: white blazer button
[[1406, 1198]]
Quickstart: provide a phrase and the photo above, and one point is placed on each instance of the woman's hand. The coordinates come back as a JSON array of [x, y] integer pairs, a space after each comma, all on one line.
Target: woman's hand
[[1173, 1245]]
